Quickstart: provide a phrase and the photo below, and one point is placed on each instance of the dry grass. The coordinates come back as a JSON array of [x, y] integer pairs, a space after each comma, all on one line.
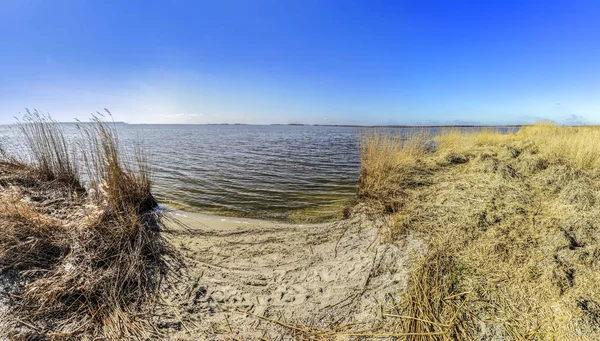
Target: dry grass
[[90, 260], [51, 155], [388, 160], [434, 305], [512, 221], [3, 153]]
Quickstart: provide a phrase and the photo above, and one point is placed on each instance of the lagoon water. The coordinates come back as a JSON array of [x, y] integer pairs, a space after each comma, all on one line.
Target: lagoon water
[[252, 170], [260, 171], [267, 171]]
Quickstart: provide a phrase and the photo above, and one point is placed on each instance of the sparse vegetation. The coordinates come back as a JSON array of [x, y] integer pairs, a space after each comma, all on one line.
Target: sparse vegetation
[[84, 262], [512, 226]]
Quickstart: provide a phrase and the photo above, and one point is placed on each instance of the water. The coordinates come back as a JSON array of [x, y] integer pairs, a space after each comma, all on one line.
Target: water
[[253, 170], [259, 171]]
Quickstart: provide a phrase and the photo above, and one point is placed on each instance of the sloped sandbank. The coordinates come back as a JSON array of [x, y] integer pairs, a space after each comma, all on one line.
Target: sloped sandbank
[[252, 279]]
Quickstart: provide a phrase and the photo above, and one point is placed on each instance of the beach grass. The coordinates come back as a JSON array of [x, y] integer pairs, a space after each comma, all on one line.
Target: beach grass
[[511, 221], [87, 260]]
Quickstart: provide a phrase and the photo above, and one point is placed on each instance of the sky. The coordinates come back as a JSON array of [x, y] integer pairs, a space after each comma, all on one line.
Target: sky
[[316, 62]]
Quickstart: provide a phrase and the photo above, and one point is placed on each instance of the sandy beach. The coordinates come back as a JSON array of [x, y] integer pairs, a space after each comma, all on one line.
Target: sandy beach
[[249, 277]]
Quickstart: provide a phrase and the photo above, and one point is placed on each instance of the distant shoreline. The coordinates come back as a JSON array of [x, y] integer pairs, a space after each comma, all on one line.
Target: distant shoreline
[[403, 126], [316, 125], [333, 125], [329, 125]]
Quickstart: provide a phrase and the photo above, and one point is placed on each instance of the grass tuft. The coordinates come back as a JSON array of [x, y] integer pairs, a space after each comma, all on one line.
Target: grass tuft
[[91, 260], [389, 163]]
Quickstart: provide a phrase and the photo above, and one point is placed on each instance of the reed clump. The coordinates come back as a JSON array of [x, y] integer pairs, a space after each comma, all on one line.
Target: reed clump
[[51, 155], [512, 222], [86, 261], [389, 164]]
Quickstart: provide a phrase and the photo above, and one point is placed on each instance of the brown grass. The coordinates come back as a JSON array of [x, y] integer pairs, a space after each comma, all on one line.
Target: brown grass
[[91, 259], [512, 225], [51, 155]]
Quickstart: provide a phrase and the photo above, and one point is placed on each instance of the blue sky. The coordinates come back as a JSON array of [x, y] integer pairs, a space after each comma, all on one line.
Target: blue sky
[[304, 61]]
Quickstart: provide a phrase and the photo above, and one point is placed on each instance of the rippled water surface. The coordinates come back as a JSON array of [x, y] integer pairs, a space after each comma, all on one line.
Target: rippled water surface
[[253, 170], [247, 170], [261, 171]]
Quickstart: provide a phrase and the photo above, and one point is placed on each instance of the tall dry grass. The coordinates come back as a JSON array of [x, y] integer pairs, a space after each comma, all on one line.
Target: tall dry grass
[[388, 159], [578, 146], [512, 223], [51, 154], [92, 261], [123, 179]]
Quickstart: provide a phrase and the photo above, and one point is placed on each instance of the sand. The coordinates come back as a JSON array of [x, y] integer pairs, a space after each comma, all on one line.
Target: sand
[[246, 274]]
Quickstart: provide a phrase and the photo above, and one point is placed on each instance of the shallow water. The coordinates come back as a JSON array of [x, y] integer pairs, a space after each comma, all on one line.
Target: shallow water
[[260, 171], [245, 170], [253, 170]]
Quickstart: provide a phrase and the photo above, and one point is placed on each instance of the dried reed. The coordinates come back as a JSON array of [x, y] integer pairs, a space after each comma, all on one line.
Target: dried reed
[[93, 259]]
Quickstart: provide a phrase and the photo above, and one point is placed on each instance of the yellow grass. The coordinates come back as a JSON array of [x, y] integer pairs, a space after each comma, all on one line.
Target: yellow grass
[[387, 160], [577, 145], [513, 227]]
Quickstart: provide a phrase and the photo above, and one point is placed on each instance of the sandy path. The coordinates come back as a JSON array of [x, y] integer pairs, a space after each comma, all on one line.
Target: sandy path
[[317, 275]]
